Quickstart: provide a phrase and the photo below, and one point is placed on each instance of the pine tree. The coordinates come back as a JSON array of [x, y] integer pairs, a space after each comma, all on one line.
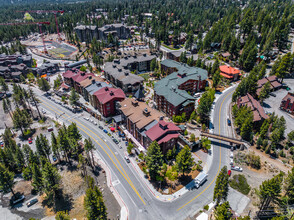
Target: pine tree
[[289, 187], [89, 147], [4, 86], [6, 179], [222, 212], [19, 158], [44, 84], [61, 215], [94, 204], [74, 97], [185, 160], [221, 188], [55, 146], [154, 159], [37, 180], [51, 179]]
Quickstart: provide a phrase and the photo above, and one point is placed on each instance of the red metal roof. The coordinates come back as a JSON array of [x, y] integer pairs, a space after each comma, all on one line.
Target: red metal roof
[[106, 94], [68, 74], [81, 76], [229, 70], [226, 75], [160, 129], [168, 137]]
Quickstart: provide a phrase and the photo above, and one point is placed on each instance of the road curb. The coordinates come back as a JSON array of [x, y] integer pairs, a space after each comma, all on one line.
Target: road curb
[[124, 212]]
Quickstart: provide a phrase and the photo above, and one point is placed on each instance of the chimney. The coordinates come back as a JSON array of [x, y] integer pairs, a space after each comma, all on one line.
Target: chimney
[[144, 54], [99, 84], [135, 103], [146, 112], [111, 93], [106, 88], [161, 118], [119, 69], [93, 81], [82, 73], [113, 65], [90, 77], [126, 73]]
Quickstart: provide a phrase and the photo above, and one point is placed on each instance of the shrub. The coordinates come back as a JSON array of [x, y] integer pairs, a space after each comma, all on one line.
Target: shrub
[[206, 207], [185, 132], [240, 184], [253, 160], [141, 156]]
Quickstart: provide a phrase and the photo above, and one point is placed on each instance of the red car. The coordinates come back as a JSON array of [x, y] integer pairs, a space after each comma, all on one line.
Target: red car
[[30, 141], [229, 172]]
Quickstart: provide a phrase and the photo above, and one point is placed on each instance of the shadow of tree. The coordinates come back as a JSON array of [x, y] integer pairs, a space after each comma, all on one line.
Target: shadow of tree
[[59, 202]]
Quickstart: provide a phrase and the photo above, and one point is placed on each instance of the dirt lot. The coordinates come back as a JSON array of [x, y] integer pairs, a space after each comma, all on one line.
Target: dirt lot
[[269, 168]]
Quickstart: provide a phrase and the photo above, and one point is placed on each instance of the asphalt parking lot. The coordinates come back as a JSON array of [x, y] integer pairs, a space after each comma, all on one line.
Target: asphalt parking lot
[[272, 104]]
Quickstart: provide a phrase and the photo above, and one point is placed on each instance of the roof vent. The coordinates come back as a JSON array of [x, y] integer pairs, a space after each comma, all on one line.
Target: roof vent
[[135, 103], [90, 77], [144, 54], [113, 65], [146, 112], [106, 88], [163, 126], [126, 73], [119, 69], [93, 81], [111, 93]]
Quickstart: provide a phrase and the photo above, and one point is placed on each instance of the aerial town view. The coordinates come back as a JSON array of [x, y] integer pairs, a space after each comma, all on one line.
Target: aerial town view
[[147, 109]]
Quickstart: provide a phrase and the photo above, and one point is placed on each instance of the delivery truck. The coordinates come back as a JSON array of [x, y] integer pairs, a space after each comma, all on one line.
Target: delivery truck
[[200, 179]]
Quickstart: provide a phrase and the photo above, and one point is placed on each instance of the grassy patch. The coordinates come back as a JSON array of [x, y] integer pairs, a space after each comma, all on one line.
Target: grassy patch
[[146, 76], [171, 48], [240, 184]]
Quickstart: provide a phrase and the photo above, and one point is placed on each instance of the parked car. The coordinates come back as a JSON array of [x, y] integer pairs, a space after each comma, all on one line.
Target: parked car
[[236, 168], [95, 123], [115, 141], [87, 119], [100, 127], [229, 172], [231, 161], [127, 159], [54, 158], [30, 140], [18, 199], [273, 94], [50, 129], [231, 155], [105, 131], [229, 122], [1, 143], [32, 202]]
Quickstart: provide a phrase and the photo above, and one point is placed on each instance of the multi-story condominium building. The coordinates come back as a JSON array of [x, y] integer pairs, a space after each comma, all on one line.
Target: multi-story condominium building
[[173, 94]]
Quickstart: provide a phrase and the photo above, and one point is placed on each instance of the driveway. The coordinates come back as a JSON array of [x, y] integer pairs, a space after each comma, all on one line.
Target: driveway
[[272, 104]]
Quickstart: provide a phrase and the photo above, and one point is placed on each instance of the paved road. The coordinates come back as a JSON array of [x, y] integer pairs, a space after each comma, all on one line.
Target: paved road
[[139, 200]]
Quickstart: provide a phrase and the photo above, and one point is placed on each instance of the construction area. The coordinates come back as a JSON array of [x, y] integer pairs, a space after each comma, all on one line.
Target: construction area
[[55, 48]]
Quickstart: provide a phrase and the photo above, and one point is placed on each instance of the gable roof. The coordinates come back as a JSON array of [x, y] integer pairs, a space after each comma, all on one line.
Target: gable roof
[[162, 130], [254, 105], [133, 109], [229, 70], [106, 94]]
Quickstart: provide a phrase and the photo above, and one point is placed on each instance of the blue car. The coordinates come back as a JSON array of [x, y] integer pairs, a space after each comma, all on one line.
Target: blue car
[[105, 131]]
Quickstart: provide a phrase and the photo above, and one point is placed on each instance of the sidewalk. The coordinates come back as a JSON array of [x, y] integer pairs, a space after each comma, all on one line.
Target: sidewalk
[[124, 212]]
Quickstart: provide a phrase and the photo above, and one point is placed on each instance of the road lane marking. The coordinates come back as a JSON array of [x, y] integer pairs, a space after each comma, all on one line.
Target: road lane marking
[[126, 177], [220, 157]]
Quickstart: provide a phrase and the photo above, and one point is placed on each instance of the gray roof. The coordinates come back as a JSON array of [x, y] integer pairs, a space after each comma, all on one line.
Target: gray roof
[[91, 89], [123, 75], [168, 87], [71, 65], [84, 27]]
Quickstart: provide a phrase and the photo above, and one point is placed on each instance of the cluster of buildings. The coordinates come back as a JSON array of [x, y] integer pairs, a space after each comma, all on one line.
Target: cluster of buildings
[[274, 83], [13, 66], [86, 33], [173, 95], [121, 72]]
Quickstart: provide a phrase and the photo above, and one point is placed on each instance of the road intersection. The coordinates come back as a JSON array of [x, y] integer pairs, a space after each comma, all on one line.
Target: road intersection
[[140, 201]]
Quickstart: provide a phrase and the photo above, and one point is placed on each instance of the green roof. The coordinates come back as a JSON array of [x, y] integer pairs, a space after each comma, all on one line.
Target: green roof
[[168, 87]]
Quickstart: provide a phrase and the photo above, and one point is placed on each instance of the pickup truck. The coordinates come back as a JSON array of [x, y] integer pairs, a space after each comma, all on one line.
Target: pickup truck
[[200, 179]]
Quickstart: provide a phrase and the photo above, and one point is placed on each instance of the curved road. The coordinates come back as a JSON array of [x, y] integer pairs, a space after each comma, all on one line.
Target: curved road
[[139, 200]]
